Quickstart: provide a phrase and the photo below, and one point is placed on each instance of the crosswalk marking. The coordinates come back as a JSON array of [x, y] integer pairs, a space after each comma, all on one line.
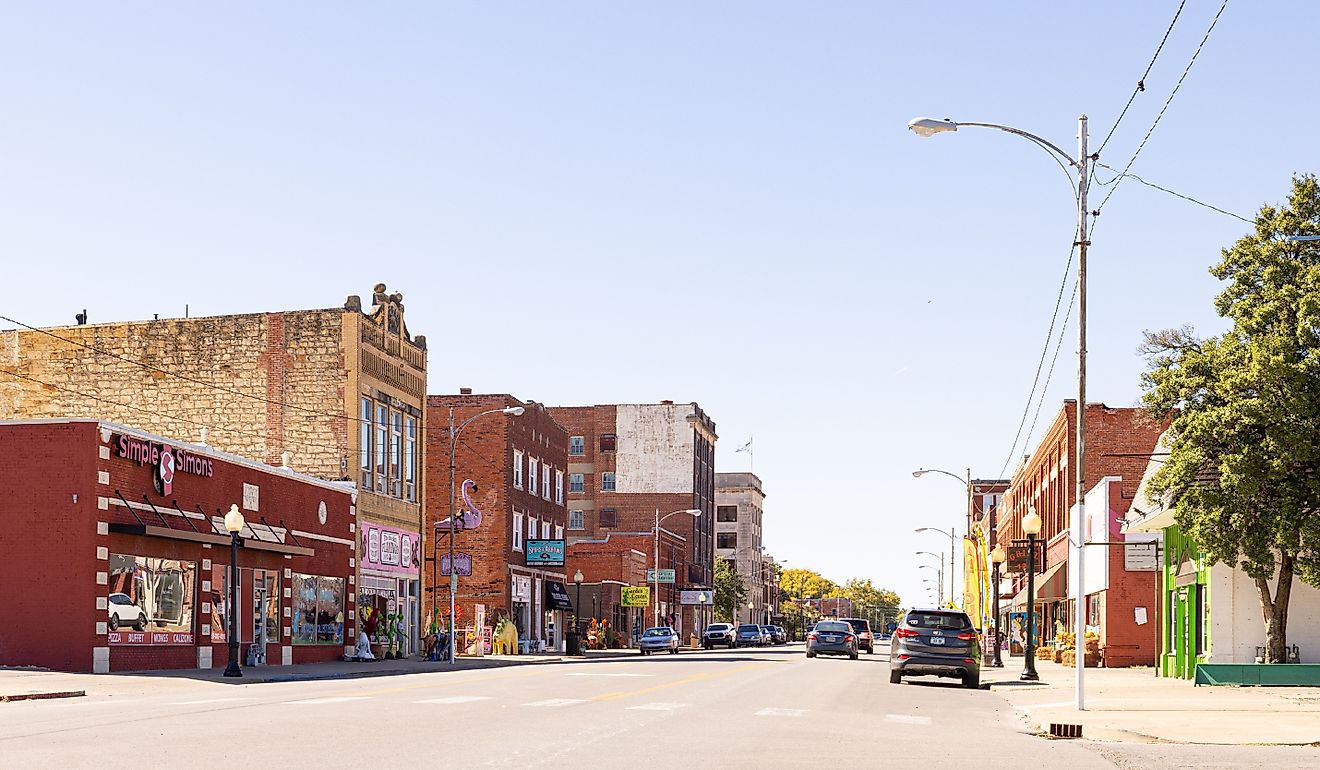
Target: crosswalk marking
[[907, 719], [455, 699], [773, 712], [322, 701], [656, 707], [555, 702], [584, 673]]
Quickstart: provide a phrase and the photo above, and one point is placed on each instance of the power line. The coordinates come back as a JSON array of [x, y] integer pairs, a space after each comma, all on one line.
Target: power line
[[1163, 109], [1141, 82], [1119, 175], [1050, 374]]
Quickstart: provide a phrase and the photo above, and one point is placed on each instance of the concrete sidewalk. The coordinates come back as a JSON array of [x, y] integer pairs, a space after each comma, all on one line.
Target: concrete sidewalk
[[1132, 704]]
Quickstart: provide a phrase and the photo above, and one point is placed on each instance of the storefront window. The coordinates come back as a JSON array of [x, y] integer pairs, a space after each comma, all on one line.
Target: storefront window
[[219, 595], [1093, 610], [151, 600], [318, 609]]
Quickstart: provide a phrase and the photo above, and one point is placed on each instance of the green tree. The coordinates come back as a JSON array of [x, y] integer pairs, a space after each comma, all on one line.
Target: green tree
[[730, 591], [1244, 462], [870, 602]]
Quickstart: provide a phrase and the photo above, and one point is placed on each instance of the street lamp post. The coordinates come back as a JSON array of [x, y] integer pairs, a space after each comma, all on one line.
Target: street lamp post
[[655, 574], [952, 540], [234, 525], [997, 557], [1031, 526], [576, 646], [453, 516], [929, 127], [939, 556]]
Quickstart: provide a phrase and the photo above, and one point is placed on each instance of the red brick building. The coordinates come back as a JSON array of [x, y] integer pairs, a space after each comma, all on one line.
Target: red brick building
[[519, 464], [1119, 442], [627, 462], [114, 556]]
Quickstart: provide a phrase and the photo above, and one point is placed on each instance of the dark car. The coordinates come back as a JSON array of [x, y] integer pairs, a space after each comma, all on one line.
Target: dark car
[[749, 635], [770, 635], [718, 633], [781, 635], [936, 643], [862, 627], [832, 637]]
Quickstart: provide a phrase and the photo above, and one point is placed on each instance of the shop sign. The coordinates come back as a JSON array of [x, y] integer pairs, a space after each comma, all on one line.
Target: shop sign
[[462, 564], [389, 550], [164, 460], [665, 576], [1017, 557], [148, 638], [635, 596], [1139, 557], [522, 589], [545, 553], [706, 597]]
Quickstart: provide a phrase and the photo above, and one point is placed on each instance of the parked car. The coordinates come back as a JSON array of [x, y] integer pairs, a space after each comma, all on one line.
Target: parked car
[[780, 634], [659, 639], [832, 637], [936, 642], [718, 633], [749, 635], [123, 611], [862, 627], [769, 632]]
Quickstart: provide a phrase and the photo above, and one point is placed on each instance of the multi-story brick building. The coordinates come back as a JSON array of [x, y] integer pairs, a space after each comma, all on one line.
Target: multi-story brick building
[[628, 462], [622, 559], [739, 511], [982, 516], [519, 463], [1119, 442], [340, 389]]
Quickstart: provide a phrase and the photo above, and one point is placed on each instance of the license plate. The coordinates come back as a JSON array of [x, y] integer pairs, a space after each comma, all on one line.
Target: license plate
[[937, 640], [830, 638]]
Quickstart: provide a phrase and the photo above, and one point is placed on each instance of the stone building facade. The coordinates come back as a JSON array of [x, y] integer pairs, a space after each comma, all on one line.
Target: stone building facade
[[519, 465], [739, 510], [342, 390]]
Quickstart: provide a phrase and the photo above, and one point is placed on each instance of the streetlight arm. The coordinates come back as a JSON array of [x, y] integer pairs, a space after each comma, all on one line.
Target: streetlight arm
[[962, 482], [465, 423], [1028, 135]]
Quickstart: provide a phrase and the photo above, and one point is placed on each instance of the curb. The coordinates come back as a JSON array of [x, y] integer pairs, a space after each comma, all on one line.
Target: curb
[[43, 695]]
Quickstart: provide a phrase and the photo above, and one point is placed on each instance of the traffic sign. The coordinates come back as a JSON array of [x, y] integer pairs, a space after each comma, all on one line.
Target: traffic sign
[[666, 576]]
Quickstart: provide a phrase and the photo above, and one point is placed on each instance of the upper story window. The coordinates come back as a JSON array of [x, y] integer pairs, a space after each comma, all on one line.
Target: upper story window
[[545, 481], [517, 531], [559, 487], [575, 520], [559, 532], [533, 473], [533, 528], [364, 443], [607, 482], [726, 540], [387, 449], [608, 518], [608, 442], [577, 445], [575, 482], [545, 530], [517, 469], [410, 459], [726, 513]]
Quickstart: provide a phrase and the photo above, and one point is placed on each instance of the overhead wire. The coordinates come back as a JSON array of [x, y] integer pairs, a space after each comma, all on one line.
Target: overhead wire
[[1119, 175], [1141, 82], [1165, 108]]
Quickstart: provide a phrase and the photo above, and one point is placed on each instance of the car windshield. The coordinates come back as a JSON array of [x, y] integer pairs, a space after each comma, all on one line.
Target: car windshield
[[833, 626], [719, 627], [750, 629], [858, 624], [658, 632], [949, 620]]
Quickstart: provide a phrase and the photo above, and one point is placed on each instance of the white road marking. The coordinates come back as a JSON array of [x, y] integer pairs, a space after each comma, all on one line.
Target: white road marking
[[322, 701], [906, 719], [656, 707], [583, 673], [455, 699], [207, 700], [555, 702], [772, 712]]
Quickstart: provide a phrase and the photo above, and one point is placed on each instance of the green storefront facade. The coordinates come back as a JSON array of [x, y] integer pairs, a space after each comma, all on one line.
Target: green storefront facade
[[1185, 609]]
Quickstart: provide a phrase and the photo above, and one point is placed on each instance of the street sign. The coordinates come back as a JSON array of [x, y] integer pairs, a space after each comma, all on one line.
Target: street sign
[[635, 596], [545, 553], [1139, 557], [462, 562], [666, 575]]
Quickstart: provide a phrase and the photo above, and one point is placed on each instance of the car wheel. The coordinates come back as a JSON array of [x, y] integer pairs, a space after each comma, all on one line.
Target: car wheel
[[870, 650], [114, 622], [972, 681], [811, 654], [706, 646], [141, 623], [895, 677], [674, 651], [852, 656]]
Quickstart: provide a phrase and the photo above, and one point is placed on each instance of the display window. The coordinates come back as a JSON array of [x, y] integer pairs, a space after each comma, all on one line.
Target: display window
[[151, 601], [318, 609]]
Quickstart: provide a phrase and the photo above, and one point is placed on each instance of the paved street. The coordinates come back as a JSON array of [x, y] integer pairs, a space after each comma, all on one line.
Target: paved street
[[746, 708]]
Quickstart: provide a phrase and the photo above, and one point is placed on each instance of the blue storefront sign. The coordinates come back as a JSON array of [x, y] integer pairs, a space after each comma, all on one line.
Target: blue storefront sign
[[545, 553]]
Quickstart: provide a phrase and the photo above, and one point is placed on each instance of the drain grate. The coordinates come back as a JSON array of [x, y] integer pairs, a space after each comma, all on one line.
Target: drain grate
[[1060, 730]]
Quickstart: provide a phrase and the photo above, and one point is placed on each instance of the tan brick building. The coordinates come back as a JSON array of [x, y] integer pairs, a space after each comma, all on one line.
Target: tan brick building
[[342, 390], [519, 464]]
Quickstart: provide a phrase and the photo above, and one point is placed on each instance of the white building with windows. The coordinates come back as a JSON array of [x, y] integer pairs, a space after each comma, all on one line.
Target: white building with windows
[[739, 501]]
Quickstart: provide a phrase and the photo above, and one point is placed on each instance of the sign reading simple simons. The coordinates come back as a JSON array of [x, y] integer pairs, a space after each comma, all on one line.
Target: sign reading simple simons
[[164, 460], [545, 553], [635, 596]]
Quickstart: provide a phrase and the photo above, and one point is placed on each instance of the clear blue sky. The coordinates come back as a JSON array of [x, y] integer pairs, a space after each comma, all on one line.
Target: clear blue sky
[[626, 202]]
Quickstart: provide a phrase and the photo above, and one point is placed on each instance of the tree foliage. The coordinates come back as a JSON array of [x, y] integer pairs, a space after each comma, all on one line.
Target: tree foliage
[[1244, 462], [730, 591]]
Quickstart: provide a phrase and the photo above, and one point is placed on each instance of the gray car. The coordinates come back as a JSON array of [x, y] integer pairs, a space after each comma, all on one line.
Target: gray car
[[659, 639], [936, 643], [832, 637]]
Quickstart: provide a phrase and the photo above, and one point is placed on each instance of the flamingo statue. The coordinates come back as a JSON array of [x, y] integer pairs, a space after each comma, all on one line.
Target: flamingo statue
[[471, 519]]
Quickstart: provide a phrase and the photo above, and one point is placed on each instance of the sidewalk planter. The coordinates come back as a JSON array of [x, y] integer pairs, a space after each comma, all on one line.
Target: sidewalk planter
[[1092, 660], [1259, 674]]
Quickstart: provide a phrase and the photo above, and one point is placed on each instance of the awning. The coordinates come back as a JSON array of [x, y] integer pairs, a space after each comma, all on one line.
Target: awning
[[557, 596], [1051, 586]]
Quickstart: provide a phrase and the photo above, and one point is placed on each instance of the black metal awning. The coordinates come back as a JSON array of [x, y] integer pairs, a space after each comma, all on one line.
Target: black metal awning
[[557, 596]]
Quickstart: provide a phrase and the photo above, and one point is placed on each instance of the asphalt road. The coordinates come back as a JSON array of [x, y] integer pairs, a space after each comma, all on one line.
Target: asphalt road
[[767, 708]]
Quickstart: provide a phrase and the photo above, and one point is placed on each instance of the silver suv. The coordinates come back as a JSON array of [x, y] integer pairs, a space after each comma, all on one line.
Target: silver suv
[[938, 643]]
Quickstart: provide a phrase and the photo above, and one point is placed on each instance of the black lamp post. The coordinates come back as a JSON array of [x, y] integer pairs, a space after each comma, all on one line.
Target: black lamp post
[[234, 525], [997, 557], [1031, 526], [575, 642]]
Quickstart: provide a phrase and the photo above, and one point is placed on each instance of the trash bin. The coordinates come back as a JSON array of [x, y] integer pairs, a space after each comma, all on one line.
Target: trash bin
[[574, 640]]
